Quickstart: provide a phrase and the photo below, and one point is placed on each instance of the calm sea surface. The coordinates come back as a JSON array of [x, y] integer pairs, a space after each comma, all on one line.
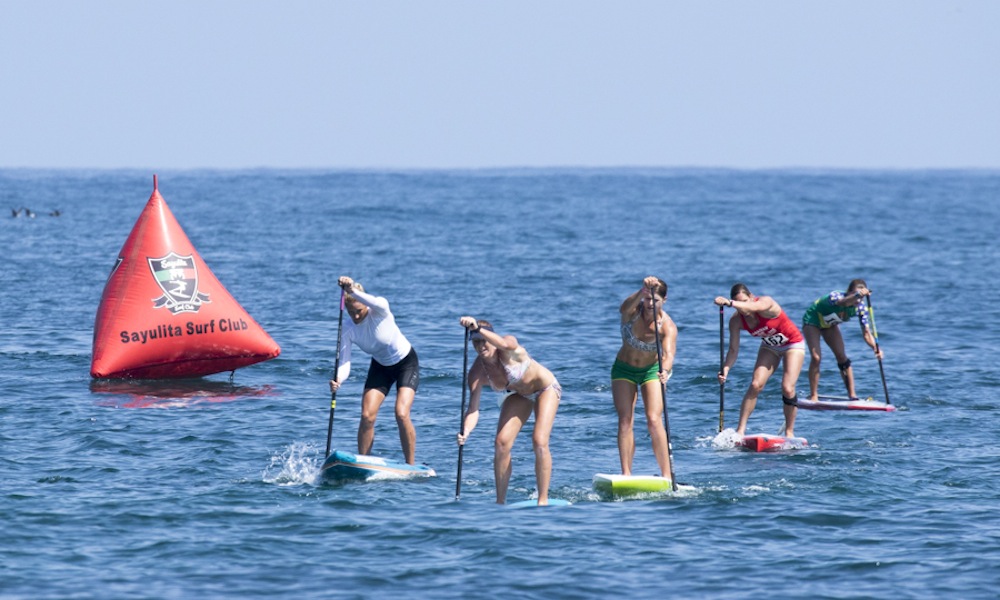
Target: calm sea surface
[[205, 488]]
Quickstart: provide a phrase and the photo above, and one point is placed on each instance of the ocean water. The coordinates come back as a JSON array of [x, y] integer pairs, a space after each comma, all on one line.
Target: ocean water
[[207, 489]]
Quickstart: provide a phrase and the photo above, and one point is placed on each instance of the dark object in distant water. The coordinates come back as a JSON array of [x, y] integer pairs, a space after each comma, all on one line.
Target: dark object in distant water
[[17, 212], [30, 214]]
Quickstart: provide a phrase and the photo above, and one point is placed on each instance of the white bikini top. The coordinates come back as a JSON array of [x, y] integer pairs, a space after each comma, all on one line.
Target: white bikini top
[[514, 372]]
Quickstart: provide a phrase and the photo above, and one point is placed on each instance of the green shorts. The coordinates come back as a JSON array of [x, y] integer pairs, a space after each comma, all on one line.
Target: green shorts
[[812, 318], [637, 375]]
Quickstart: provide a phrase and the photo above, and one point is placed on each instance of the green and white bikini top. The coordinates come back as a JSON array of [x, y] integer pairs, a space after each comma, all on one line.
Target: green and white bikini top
[[628, 337]]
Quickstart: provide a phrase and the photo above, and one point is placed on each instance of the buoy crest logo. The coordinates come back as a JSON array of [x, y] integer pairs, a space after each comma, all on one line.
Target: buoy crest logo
[[177, 276]]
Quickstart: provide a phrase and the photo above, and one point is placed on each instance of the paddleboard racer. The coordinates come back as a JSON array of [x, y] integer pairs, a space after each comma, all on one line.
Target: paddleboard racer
[[781, 343], [638, 367], [822, 321], [526, 388], [394, 361]]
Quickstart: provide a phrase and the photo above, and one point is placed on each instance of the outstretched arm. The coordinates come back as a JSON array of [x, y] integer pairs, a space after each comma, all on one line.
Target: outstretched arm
[[344, 370], [630, 304], [762, 305], [507, 343], [870, 340], [734, 349], [378, 304], [472, 414]]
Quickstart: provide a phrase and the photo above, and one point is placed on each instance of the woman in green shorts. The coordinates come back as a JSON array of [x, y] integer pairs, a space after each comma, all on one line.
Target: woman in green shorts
[[637, 367], [823, 319]]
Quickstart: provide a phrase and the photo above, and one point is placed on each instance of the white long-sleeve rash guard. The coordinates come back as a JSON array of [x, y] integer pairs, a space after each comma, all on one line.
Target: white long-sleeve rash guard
[[377, 334]]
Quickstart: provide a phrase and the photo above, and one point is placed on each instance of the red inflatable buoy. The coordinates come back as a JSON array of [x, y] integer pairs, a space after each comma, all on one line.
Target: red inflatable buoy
[[163, 314]]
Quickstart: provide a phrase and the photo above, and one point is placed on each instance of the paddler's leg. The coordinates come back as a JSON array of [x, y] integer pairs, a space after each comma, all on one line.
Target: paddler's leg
[[652, 401], [812, 335], [835, 340], [513, 414], [407, 380], [793, 360], [767, 361], [623, 392], [370, 403], [407, 434], [545, 414]]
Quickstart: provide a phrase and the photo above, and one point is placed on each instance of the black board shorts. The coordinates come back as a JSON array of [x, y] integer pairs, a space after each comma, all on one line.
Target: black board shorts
[[405, 373]]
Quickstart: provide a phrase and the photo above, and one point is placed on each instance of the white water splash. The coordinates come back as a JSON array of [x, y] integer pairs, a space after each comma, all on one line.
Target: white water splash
[[726, 439], [297, 464], [756, 490]]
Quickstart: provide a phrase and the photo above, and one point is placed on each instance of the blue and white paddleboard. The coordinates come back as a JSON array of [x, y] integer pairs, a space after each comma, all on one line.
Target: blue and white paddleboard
[[534, 503], [347, 466], [844, 403]]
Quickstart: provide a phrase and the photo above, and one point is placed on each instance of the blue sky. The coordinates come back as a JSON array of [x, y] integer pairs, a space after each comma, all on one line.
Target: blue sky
[[444, 84]]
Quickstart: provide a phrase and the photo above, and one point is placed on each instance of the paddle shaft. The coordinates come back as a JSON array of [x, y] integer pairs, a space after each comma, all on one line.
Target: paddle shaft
[[336, 367], [461, 424], [722, 363], [663, 391], [881, 369]]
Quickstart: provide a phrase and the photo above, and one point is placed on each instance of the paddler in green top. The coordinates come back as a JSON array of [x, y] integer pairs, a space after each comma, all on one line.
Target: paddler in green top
[[822, 320]]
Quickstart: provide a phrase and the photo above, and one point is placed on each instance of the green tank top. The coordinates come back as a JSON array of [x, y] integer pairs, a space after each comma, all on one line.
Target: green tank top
[[825, 313]]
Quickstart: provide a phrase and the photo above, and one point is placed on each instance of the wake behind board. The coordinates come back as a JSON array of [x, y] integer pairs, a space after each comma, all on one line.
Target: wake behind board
[[762, 442], [533, 503], [347, 466], [844, 403]]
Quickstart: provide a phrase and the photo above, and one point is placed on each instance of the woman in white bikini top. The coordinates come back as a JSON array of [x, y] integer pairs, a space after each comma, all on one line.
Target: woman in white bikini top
[[507, 366], [527, 387]]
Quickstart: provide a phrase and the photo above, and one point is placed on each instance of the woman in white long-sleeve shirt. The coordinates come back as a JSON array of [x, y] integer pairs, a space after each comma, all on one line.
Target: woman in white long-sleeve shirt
[[394, 361]]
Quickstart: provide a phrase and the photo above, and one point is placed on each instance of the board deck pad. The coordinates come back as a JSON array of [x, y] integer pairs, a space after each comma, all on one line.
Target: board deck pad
[[844, 403], [533, 503], [628, 485], [347, 466], [763, 442]]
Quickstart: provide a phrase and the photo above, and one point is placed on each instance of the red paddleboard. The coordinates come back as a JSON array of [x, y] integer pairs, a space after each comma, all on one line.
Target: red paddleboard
[[163, 314], [771, 443]]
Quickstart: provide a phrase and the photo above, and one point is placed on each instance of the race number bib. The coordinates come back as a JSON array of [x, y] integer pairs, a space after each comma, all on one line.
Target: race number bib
[[830, 320], [775, 340]]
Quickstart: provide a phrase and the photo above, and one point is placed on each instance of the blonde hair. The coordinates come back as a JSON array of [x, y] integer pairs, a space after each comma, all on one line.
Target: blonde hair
[[357, 286]]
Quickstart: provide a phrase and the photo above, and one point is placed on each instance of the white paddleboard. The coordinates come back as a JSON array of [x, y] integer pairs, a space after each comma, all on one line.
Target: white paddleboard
[[844, 403]]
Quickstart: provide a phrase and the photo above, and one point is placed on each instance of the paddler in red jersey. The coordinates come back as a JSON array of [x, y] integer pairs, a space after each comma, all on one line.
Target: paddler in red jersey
[[781, 341]]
